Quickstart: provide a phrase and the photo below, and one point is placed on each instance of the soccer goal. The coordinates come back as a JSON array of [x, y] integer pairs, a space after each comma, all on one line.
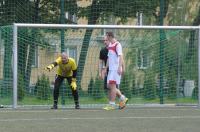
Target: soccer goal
[[162, 64]]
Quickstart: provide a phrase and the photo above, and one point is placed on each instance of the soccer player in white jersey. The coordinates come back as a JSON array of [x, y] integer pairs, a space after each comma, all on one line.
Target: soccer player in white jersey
[[115, 63], [103, 56]]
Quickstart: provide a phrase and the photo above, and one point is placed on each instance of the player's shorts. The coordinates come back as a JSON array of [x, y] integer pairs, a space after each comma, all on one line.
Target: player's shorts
[[113, 77], [106, 85]]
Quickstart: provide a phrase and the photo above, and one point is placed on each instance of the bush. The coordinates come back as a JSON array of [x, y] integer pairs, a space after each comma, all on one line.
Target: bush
[[125, 85], [98, 92], [195, 93], [91, 87], [65, 89], [171, 82], [20, 90], [96, 88], [133, 87], [149, 85], [42, 88]]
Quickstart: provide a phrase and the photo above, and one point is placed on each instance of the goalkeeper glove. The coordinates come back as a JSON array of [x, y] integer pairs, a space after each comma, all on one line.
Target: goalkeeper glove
[[50, 67], [73, 84]]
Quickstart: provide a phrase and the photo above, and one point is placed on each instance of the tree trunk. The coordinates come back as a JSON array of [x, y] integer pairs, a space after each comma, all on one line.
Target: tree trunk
[[95, 13], [192, 38], [7, 68], [32, 48]]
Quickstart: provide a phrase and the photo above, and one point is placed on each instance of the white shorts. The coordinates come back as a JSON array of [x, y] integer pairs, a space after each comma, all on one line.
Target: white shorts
[[113, 77]]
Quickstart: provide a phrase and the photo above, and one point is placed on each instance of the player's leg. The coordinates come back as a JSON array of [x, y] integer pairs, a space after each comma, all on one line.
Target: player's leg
[[122, 99], [111, 97], [106, 89], [112, 91], [118, 93], [105, 84], [122, 102], [58, 82], [75, 94]]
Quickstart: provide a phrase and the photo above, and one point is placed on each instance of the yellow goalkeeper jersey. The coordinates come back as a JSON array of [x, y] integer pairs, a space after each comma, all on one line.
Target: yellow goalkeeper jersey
[[66, 70]]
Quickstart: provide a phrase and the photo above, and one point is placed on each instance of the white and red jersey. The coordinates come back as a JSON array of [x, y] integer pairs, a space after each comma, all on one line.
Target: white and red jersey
[[114, 51]]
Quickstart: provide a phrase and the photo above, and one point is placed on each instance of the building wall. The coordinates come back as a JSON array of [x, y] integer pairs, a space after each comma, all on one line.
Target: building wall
[[46, 57]]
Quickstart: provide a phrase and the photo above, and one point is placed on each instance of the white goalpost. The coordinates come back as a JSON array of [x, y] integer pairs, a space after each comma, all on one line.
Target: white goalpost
[[17, 26]]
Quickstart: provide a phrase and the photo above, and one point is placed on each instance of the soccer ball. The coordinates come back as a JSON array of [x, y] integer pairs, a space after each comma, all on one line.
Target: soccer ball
[[1, 106]]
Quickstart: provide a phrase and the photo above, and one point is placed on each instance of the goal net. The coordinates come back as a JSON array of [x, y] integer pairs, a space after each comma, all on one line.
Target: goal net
[[161, 64]]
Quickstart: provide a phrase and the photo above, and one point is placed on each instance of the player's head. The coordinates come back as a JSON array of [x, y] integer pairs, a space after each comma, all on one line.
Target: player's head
[[105, 40], [64, 58], [110, 36]]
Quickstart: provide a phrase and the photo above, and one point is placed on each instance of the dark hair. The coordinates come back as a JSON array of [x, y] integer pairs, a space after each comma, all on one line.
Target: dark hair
[[110, 34]]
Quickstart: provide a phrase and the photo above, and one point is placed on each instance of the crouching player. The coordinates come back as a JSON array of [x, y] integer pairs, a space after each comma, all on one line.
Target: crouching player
[[67, 69]]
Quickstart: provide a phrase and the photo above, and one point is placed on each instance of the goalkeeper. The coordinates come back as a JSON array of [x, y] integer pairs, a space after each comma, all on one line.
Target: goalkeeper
[[67, 69]]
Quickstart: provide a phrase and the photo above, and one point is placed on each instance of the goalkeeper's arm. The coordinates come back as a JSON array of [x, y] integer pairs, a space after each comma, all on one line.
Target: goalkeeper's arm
[[51, 66], [74, 74], [73, 83]]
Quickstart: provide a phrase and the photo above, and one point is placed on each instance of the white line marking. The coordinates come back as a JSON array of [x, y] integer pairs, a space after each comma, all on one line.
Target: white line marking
[[95, 110], [99, 118], [41, 111]]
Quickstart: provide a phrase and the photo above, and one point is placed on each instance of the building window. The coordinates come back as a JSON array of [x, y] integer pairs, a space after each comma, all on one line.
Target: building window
[[72, 52], [35, 58], [71, 18], [107, 20], [142, 59]]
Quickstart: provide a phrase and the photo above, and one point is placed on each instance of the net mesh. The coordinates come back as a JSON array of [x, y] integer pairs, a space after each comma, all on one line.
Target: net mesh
[[160, 64], [148, 64]]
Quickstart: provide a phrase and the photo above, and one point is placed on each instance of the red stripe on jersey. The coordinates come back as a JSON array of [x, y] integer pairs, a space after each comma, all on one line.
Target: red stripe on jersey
[[112, 82], [113, 48]]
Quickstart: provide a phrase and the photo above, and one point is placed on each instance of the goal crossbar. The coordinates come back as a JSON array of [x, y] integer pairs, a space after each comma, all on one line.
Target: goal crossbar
[[104, 26]]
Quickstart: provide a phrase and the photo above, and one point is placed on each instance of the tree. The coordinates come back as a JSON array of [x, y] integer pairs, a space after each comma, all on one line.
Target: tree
[[42, 88], [149, 85], [90, 87], [192, 46], [125, 84], [95, 88], [98, 91], [48, 11], [23, 11], [119, 8]]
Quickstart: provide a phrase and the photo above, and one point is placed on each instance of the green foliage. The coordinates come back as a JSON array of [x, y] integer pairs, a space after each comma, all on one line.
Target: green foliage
[[66, 89], [48, 11], [71, 6], [20, 88], [96, 89], [125, 85], [6, 88], [90, 87], [82, 93], [149, 85], [133, 85], [172, 85], [195, 93], [99, 88], [42, 88], [6, 32], [120, 8]]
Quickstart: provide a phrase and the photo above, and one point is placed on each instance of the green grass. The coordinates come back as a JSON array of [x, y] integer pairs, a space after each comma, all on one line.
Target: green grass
[[89, 100], [82, 100], [166, 101], [6, 100]]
